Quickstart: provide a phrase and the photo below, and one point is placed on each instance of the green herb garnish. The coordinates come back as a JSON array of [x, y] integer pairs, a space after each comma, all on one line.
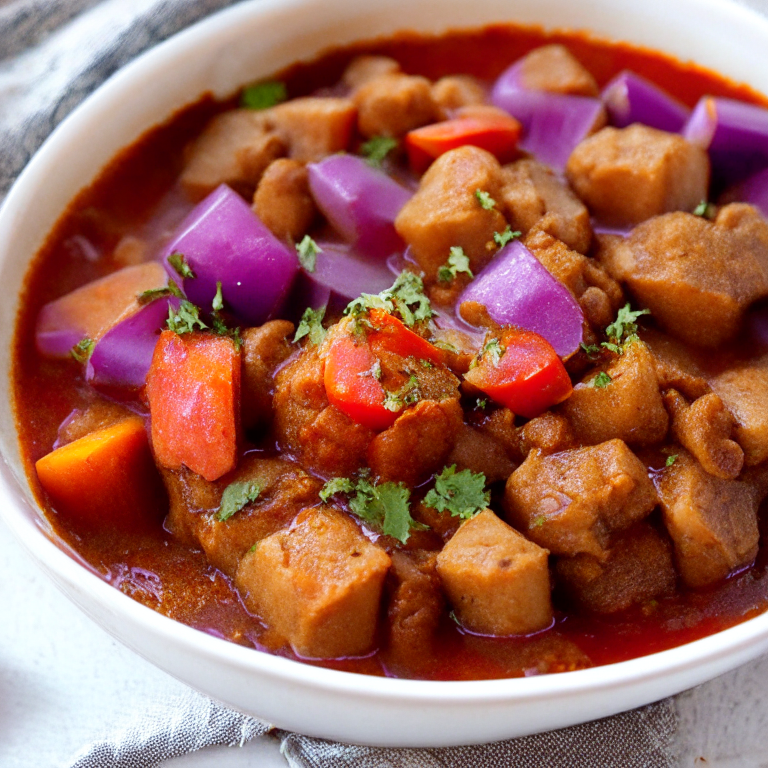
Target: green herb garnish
[[538, 521], [336, 485], [81, 352], [502, 238], [185, 319], [263, 95], [217, 304], [179, 263], [623, 330], [406, 297], [377, 148], [494, 349], [671, 460], [235, 497], [705, 210], [407, 395], [458, 262], [147, 297], [311, 326], [462, 493], [482, 403], [307, 251], [590, 349], [485, 200], [601, 380]]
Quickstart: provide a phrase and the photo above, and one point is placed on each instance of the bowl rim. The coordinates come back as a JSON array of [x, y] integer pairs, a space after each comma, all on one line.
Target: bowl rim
[[65, 568]]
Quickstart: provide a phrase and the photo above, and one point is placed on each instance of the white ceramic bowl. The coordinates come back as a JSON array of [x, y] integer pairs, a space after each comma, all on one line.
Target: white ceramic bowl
[[250, 41]]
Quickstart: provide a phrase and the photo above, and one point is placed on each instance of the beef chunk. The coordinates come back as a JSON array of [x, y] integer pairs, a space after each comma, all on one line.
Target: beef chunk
[[312, 127], [629, 407], [697, 277], [452, 93], [235, 148], [627, 175], [637, 568], [306, 425], [496, 580], [364, 68], [416, 603], [392, 105], [573, 501], [417, 444], [318, 585], [189, 495], [477, 451], [264, 349], [744, 391], [712, 522], [97, 415], [554, 68], [676, 368], [283, 201], [445, 211], [704, 427], [535, 199], [549, 433]]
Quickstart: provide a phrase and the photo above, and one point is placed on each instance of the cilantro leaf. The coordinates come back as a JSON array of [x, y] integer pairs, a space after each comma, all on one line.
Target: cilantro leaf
[[494, 349], [386, 507], [482, 403], [366, 302], [336, 485], [458, 261], [705, 210], [263, 95], [407, 395], [179, 263], [671, 460], [602, 380], [538, 521], [462, 493], [147, 297], [235, 497], [502, 238], [311, 325], [624, 327], [377, 148], [406, 297], [307, 251], [589, 349], [81, 352], [485, 200], [218, 300], [185, 319]]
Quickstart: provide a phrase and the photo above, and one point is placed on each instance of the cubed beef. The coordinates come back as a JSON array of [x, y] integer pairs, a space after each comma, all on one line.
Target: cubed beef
[[573, 501], [676, 367], [535, 199], [549, 433], [637, 568], [554, 68], [364, 68], [283, 201], [712, 522], [264, 349], [392, 105], [477, 451], [744, 391], [704, 427], [189, 496], [318, 585], [98, 414], [627, 175], [496, 580], [418, 443], [697, 277], [457, 91], [628, 407], [445, 211], [235, 148]]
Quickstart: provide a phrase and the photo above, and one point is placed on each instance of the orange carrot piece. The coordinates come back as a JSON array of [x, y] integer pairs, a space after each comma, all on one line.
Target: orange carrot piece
[[105, 480], [193, 387]]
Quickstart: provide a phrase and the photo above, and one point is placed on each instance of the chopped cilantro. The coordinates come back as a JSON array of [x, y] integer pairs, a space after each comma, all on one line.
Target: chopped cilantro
[[538, 521], [705, 210], [671, 460], [615, 347], [482, 403], [254, 547], [263, 95], [384, 506], [82, 350], [462, 493], [589, 349], [426, 363], [502, 238], [235, 497], [307, 250], [405, 296], [377, 148], [623, 329], [147, 297], [485, 200], [185, 318], [494, 349], [336, 485], [407, 395], [179, 263], [458, 261], [311, 325], [374, 371], [601, 380], [218, 300]]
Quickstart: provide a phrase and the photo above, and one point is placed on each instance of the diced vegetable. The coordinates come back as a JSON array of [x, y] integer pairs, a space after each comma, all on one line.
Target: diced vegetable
[[517, 290], [222, 240], [121, 358], [553, 123], [91, 310], [105, 480], [497, 135], [360, 202], [735, 133], [630, 98], [522, 372], [347, 273], [391, 334], [193, 388], [351, 384]]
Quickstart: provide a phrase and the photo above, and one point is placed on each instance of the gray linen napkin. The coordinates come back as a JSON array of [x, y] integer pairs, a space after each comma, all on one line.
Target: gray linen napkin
[[52, 55]]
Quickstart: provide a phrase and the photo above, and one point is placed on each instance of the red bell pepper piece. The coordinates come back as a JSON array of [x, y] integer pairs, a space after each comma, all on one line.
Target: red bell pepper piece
[[498, 135], [393, 335], [193, 387], [529, 376]]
